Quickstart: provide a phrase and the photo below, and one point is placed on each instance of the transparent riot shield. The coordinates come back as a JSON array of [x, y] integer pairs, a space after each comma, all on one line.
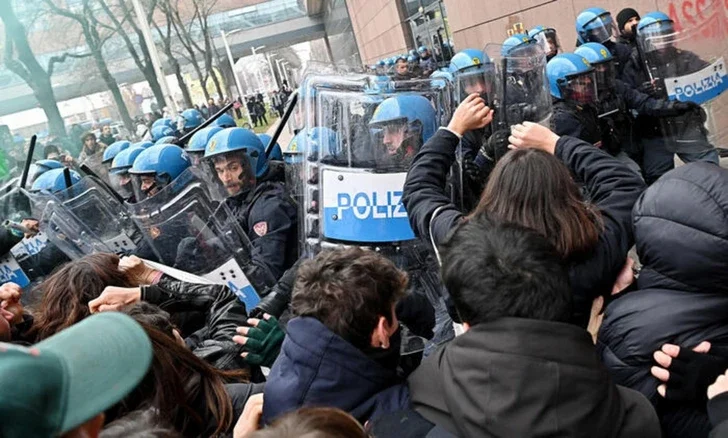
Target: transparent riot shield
[[522, 89], [69, 233], [192, 233], [361, 143], [104, 217], [689, 65], [17, 205]]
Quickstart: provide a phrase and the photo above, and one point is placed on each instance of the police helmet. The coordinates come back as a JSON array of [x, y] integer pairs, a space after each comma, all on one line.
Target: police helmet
[[595, 25], [199, 141], [189, 119], [161, 131], [468, 59], [276, 153], [381, 63], [163, 122], [46, 165], [239, 139], [170, 139], [142, 144], [54, 181], [225, 121], [113, 149], [603, 62], [411, 59], [166, 161], [547, 38], [655, 24], [513, 44], [125, 160], [414, 110], [422, 49], [571, 77]]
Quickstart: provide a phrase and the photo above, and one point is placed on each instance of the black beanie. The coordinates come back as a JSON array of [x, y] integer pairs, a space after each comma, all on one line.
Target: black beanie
[[624, 16]]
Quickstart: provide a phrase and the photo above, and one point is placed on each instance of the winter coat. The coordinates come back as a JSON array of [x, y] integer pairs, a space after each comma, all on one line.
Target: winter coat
[[515, 377], [681, 233], [610, 185], [316, 367]]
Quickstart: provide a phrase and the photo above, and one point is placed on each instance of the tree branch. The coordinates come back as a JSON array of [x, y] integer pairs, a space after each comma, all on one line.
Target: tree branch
[[58, 59]]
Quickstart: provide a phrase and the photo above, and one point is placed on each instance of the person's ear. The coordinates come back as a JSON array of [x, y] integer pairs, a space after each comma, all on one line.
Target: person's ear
[[381, 334]]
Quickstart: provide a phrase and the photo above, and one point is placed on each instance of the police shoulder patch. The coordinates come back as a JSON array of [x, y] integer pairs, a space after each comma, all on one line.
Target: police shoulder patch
[[261, 228]]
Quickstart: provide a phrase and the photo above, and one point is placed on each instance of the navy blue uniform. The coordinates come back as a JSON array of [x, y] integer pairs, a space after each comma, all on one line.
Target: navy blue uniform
[[610, 185], [268, 216], [657, 158]]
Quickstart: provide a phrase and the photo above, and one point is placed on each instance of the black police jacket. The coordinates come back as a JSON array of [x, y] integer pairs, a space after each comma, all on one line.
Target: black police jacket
[[611, 186], [268, 216], [681, 234]]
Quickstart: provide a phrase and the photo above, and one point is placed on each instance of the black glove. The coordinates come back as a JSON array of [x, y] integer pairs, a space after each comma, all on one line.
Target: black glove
[[279, 296], [647, 88], [497, 144], [684, 107], [690, 375]]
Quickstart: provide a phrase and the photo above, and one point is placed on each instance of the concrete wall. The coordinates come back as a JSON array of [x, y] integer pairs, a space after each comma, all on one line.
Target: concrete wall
[[381, 29]]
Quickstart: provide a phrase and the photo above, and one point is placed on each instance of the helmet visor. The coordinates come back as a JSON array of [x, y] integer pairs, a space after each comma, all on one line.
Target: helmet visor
[[549, 41], [233, 172], [653, 36], [480, 81], [601, 29], [581, 88], [395, 143], [121, 181], [605, 74], [146, 185]]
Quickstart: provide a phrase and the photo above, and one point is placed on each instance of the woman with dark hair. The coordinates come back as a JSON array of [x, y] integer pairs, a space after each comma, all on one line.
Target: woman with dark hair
[[314, 423], [195, 397], [536, 186], [208, 315]]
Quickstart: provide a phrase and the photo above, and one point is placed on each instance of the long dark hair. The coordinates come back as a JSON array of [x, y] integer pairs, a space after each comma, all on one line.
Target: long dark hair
[[534, 189], [177, 379], [67, 292]]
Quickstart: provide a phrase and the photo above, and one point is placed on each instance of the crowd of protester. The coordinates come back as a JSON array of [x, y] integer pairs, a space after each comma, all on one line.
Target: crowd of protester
[[579, 293]]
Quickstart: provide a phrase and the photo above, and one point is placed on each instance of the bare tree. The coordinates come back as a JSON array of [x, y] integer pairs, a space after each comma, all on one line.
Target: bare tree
[[20, 59], [88, 22], [203, 9], [166, 36], [122, 17]]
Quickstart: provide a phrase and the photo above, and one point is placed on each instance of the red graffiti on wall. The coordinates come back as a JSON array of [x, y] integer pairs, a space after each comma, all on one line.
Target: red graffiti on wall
[[706, 15]]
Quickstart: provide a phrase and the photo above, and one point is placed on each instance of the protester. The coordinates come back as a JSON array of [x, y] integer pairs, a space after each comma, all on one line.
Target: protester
[[342, 346], [107, 138], [314, 422], [198, 399], [211, 107], [62, 386], [718, 406], [51, 152], [144, 423], [680, 226], [90, 146], [532, 186], [518, 370], [627, 20]]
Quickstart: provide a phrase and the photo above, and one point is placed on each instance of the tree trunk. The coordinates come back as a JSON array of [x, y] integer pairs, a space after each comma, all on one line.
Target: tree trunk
[[110, 82], [36, 77], [154, 85], [182, 84]]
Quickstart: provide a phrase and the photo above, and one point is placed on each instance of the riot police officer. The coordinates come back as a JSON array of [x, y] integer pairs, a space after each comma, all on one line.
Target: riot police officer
[[276, 168], [413, 63], [156, 167], [225, 121], [428, 63], [113, 150], [265, 211], [189, 120], [119, 172], [616, 99], [547, 38], [658, 57], [596, 25]]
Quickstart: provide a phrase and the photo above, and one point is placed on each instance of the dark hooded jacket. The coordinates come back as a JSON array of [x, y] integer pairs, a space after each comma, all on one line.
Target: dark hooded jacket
[[681, 233], [316, 367], [515, 377]]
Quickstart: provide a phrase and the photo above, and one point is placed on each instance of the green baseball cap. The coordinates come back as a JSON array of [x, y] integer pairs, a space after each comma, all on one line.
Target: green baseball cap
[[62, 382]]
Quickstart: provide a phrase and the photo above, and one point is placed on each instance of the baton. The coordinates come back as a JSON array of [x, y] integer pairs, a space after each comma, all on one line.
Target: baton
[[281, 124], [87, 170], [28, 161]]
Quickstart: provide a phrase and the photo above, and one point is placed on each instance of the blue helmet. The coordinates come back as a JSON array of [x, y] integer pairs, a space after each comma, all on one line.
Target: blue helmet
[[198, 142], [169, 139], [113, 149], [595, 25], [190, 119], [142, 144], [165, 161], [225, 121], [276, 153], [161, 131], [547, 38], [565, 71], [655, 24], [389, 62], [468, 59], [125, 160], [411, 59], [53, 181], [46, 165], [239, 139], [595, 53], [422, 49], [163, 122], [442, 74], [381, 63], [412, 109], [515, 42]]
